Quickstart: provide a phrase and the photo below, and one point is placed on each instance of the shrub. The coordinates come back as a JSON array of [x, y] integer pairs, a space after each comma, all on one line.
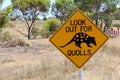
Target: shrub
[[35, 32], [9, 40], [45, 31], [50, 26], [5, 36], [15, 42], [3, 22]]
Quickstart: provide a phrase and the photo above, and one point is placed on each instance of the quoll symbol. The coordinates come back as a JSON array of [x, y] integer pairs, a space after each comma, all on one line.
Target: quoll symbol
[[81, 38]]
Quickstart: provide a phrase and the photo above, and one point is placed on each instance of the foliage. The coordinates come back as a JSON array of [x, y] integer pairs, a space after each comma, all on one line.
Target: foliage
[[86, 5], [5, 36], [50, 26], [30, 10], [117, 14], [35, 32], [9, 40], [108, 20], [3, 21], [100, 10], [108, 13], [89, 14], [4, 16], [54, 24], [45, 33], [13, 42], [1, 1], [64, 8], [25, 4]]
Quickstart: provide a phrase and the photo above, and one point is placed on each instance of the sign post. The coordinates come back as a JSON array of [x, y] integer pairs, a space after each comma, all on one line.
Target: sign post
[[80, 75], [78, 39]]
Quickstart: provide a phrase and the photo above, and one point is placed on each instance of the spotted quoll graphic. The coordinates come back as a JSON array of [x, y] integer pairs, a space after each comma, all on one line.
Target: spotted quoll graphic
[[80, 38]]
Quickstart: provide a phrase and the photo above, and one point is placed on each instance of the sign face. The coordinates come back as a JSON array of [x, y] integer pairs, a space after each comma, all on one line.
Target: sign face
[[78, 38]]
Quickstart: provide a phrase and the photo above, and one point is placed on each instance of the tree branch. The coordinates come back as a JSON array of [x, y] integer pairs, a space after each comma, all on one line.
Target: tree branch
[[26, 22], [34, 18]]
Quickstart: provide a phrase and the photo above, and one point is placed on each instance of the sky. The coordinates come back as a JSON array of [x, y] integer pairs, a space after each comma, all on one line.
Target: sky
[[118, 6], [6, 3]]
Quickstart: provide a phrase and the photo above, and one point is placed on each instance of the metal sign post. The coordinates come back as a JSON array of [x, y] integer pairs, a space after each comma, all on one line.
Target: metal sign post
[[80, 75]]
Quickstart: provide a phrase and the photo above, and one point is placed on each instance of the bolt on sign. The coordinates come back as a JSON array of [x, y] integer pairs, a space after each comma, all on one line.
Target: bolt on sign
[[78, 38]]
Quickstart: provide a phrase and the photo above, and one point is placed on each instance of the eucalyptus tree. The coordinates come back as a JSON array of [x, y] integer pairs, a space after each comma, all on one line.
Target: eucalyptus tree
[[63, 9], [108, 13], [102, 10], [30, 10]]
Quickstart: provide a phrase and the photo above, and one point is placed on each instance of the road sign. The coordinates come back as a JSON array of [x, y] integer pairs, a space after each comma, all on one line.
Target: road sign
[[78, 38]]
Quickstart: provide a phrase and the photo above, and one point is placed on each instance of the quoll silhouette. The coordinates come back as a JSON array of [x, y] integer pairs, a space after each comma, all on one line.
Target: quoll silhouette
[[81, 38]]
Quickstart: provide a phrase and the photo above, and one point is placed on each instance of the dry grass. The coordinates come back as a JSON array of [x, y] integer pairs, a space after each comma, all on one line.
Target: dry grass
[[42, 61], [15, 42], [105, 64], [34, 67], [49, 64]]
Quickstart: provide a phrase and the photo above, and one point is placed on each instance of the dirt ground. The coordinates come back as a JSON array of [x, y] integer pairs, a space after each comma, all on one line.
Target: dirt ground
[[42, 61]]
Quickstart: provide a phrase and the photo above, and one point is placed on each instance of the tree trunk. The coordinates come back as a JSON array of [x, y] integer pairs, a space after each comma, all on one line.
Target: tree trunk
[[101, 25], [29, 33], [104, 28], [101, 22], [96, 17], [96, 21], [97, 11], [30, 25]]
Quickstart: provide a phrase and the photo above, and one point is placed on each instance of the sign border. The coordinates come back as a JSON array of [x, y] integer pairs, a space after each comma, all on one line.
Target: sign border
[[90, 22]]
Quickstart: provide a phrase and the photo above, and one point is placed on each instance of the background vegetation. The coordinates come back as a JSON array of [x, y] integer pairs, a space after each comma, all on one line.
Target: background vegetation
[[102, 12], [26, 53]]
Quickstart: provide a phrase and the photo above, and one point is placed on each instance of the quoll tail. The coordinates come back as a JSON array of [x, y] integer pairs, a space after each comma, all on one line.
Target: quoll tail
[[66, 44]]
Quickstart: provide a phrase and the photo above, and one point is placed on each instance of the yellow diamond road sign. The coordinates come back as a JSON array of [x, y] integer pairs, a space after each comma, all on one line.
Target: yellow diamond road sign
[[78, 38]]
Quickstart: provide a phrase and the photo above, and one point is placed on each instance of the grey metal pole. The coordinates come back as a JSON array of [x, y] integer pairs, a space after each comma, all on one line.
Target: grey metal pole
[[80, 75]]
